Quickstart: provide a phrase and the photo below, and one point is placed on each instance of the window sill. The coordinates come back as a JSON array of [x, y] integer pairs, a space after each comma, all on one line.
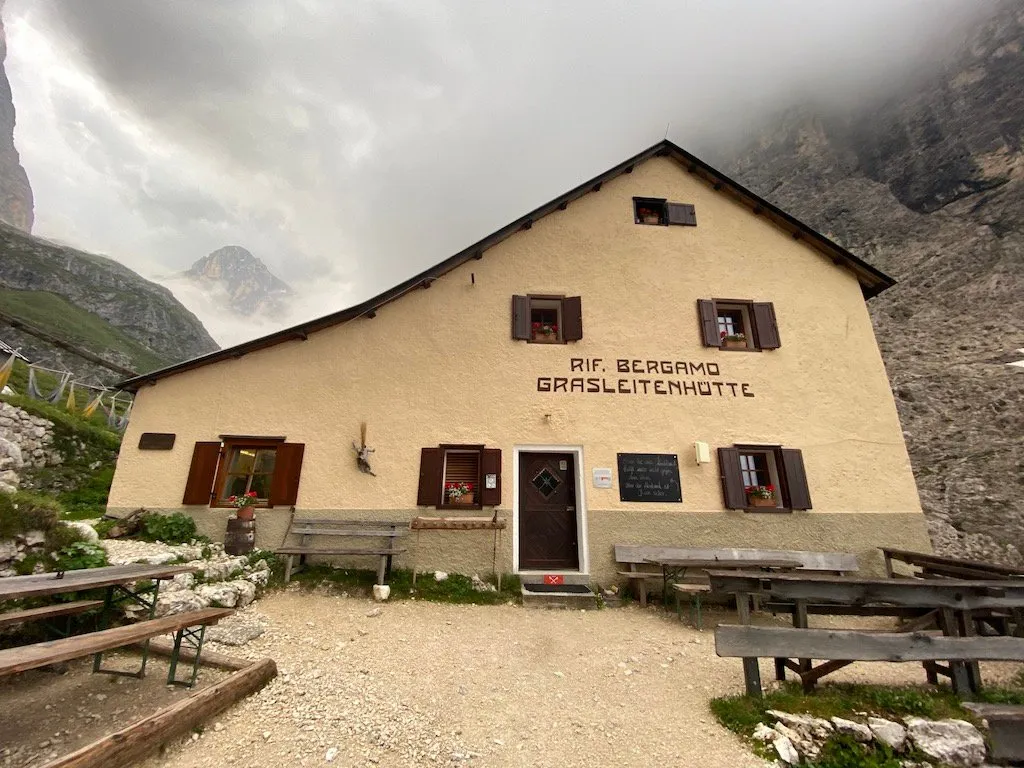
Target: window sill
[[545, 341], [460, 506], [768, 510], [228, 506], [738, 349]]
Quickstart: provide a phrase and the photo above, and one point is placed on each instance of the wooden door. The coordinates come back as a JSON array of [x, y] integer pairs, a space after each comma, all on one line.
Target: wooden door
[[547, 511]]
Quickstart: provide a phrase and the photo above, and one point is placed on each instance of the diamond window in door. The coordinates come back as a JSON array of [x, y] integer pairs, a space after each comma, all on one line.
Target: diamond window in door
[[546, 482]]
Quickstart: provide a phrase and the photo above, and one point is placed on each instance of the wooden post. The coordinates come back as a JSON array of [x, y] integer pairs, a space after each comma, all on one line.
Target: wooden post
[[416, 557], [751, 671], [800, 621], [966, 628], [957, 669], [131, 744]]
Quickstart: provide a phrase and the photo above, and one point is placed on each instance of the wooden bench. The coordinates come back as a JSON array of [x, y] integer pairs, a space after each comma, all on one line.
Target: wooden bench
[[749, 642], [310, 531], [638, 558], [9, 618], [27, 657], [937, 566]]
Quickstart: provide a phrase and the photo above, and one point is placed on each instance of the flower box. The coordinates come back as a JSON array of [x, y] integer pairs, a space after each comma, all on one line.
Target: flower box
[[463, 500], [245, 513], [651, 219], [759, 501], [733, 344]]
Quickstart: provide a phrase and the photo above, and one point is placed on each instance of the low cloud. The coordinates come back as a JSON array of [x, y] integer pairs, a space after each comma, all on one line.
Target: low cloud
[[351, 145]]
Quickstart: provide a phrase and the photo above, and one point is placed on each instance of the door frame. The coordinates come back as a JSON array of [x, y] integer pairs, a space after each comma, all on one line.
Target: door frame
[[581, 507]]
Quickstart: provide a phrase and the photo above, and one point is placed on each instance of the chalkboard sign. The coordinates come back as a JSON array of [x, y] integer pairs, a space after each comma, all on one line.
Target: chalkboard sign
[[649, 477]]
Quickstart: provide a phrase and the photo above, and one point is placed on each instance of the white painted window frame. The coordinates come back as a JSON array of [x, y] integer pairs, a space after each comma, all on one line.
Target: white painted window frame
[[583, 546]]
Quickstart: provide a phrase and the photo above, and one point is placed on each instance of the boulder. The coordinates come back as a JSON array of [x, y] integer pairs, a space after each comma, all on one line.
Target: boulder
[[814, 727], [786, 751], [179, 602], [10, 449], [221, 594], [763, 733], [8, 551], [951, 742], [859, 731], [246, 591], [236, 630], [888, 732], [87, 532], [33, 538]]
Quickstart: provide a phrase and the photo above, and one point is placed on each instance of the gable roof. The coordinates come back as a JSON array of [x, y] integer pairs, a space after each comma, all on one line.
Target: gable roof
[[872, 281]]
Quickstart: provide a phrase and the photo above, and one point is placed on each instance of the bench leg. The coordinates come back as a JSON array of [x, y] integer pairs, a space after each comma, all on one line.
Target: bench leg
[[780, 669], [751, 671], [288, 569], [381, 567], [193, 638], [641, 587]]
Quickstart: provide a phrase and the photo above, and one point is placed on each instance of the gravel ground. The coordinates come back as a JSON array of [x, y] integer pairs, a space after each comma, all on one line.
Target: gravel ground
[[411, 683]]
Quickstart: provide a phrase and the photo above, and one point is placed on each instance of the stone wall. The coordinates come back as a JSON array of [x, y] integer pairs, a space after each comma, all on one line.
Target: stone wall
[[26, 441]]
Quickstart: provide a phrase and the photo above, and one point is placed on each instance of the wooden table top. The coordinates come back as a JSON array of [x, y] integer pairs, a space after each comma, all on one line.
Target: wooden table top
[[955, 565], [726, 564], [39, 584]]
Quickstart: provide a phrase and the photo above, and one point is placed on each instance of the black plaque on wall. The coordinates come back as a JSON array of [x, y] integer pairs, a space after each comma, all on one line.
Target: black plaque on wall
[[649, 477], [156, 441]]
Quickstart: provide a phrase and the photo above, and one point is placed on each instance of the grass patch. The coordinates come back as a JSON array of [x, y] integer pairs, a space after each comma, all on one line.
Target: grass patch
[[455, 589]]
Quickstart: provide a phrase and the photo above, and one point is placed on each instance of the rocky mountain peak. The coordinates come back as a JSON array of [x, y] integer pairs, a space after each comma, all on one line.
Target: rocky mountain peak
[[251, 287], [928, 185], [15, 192]]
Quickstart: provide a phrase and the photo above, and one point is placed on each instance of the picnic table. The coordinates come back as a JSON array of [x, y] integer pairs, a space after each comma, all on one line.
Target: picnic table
[[936, 566], [949, 606], [674, 570], [122, 585]]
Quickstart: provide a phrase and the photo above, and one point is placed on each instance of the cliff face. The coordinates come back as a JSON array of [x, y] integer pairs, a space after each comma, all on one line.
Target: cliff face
[[95, 301], [15, 192], [250, 286], [929, 186]]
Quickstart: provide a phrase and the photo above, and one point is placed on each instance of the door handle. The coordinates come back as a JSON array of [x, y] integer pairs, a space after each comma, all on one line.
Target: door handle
[[570, 508]]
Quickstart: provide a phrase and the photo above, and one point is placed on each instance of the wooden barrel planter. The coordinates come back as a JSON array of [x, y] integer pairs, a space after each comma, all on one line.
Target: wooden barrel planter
[[240, 537]]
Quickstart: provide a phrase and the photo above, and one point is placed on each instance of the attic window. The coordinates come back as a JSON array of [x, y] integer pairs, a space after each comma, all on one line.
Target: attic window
[[657, 211], [649, 210]]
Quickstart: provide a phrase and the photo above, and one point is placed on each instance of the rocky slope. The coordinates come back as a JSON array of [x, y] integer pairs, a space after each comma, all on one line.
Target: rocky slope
[[250, 286], [96, 302], [15, 192], [928, 185]]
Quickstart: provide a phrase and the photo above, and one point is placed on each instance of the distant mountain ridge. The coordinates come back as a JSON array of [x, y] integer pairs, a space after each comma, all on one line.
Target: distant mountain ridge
[[94, 302], [251, 287]]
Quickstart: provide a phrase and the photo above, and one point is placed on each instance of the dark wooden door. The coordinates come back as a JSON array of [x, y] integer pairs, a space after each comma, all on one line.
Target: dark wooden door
[[547, 511]]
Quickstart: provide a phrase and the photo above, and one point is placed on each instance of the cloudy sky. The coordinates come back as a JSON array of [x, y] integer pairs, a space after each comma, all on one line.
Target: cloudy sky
[[352, 143]]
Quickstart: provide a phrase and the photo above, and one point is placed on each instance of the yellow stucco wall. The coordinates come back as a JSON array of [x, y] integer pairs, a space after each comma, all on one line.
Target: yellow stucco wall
[[439, 366]]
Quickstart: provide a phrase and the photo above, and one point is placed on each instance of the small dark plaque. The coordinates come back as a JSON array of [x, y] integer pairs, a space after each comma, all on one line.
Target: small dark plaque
[[649, 477], [156, 441]]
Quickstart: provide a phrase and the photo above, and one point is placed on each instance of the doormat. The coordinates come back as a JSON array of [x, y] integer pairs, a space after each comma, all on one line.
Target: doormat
[[562, 589]]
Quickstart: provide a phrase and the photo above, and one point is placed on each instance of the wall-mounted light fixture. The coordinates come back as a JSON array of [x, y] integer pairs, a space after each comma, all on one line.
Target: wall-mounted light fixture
[[703, 453]]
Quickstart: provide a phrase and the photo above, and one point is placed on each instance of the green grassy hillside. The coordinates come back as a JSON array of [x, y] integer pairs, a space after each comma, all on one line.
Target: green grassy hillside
[[58, 316]]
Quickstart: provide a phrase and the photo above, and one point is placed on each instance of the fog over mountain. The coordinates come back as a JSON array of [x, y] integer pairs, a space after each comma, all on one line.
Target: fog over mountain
[[352, 144]]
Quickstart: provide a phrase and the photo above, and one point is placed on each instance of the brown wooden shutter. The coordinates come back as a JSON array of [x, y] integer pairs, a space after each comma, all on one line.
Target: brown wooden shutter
[[682, 213], [429, 494], [491, 465], [284, 484], [765, 327], [572, 318], [521, 317], [199, 486], [708, 323], [733, 492], [796, 479]]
